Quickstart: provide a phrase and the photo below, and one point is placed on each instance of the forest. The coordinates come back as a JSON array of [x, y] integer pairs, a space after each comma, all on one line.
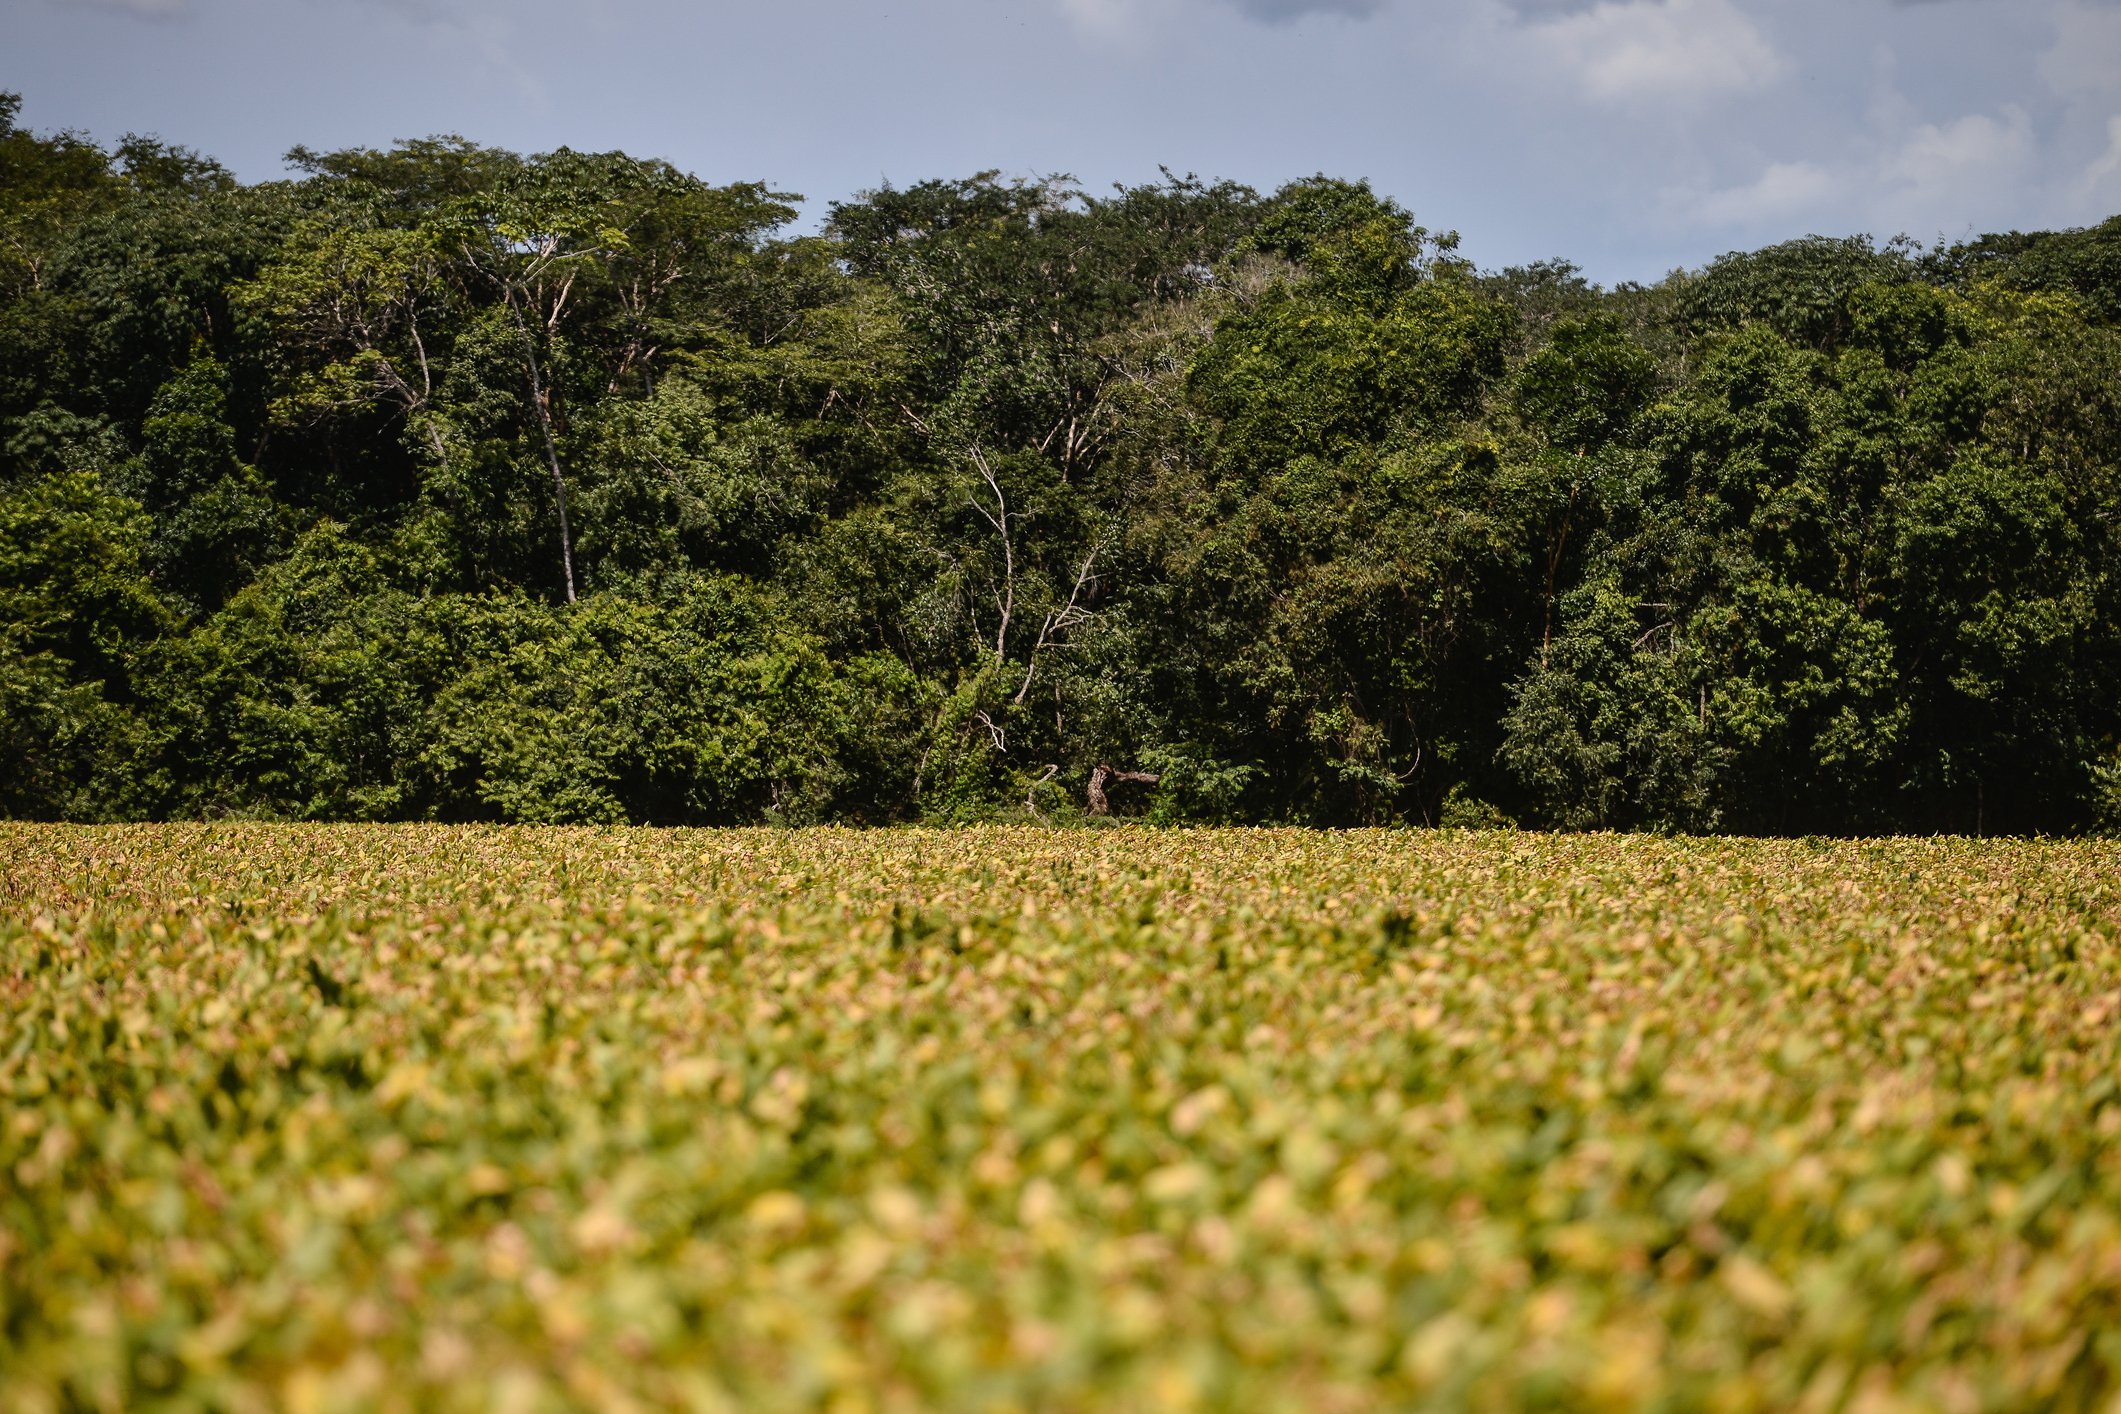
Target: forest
[[446, 483]]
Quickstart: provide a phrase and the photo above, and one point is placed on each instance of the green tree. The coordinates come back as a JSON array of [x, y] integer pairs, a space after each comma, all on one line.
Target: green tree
[[77, 615]]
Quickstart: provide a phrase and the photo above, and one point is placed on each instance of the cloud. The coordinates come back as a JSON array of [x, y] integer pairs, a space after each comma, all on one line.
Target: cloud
[[2086, 56], [1627, 50], [419, 11], [2099, 189], [144, 9], [1953, 160], [1785, 190], [1282, 12], [1928, 177], [1117, 18], [1106, 19]]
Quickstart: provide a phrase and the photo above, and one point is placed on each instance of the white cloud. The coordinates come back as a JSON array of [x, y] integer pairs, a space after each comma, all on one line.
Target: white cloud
[[1106, 19], [1953, 161], [1626, 50], [1130, 19], [2082, 73], [1924, 178], [1280, 12], [2086, 57], [2099, 189], [146, 9], [1784, 191]]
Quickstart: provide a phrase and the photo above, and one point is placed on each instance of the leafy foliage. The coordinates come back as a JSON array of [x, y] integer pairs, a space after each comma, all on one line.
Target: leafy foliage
[[444, 482], [417, 1116]]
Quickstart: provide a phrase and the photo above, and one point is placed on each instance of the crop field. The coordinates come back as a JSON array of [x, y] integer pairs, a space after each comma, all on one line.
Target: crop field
[[322, 1118]]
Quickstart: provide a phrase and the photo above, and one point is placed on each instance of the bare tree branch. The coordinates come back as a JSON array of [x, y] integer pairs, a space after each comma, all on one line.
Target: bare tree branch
[[1031, 792], [1061, 620], [998, 734], [1005, 600]]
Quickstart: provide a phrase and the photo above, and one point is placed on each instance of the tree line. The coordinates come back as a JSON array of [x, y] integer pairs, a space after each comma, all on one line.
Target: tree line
[[443, 482]]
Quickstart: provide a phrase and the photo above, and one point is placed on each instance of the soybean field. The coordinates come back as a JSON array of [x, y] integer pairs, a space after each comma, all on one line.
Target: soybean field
[[330, 1118]]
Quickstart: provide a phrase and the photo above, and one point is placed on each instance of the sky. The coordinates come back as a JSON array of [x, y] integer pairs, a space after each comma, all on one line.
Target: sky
[[1630, 136]]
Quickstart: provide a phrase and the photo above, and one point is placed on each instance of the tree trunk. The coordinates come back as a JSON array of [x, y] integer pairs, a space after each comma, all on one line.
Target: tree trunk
[[552, 450], [1099, 805]]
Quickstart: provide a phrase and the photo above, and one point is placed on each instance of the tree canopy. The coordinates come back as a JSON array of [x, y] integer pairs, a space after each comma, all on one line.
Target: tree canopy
[[446, 482]]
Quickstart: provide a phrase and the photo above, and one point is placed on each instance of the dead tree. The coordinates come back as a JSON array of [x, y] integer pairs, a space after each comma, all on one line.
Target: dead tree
[[1060, 621], [1031, 794], [1099, 805], [1005, 599]]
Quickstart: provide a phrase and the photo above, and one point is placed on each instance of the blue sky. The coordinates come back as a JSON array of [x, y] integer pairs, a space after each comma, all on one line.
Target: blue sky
[[1631, 136]]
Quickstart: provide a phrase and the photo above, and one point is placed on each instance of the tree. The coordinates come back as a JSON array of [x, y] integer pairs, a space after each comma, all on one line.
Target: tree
[[355, 309], [77, 616], [994, 492]]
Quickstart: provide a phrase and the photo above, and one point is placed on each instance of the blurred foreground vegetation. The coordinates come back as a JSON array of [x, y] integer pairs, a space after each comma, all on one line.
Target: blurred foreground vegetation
[[352, 1118]]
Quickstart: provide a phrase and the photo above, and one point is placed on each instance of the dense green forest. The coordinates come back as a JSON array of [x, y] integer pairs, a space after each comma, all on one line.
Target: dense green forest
[[447, 483]]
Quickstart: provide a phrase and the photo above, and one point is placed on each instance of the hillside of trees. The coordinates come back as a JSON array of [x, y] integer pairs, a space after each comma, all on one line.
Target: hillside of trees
[[448, 483]]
